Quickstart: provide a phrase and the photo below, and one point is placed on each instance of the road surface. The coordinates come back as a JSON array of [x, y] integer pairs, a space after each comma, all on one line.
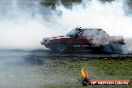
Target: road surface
[[38, 68], [48, 53]]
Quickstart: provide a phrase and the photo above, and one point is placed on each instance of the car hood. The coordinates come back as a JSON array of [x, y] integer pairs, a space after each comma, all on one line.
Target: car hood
[[56, 37]]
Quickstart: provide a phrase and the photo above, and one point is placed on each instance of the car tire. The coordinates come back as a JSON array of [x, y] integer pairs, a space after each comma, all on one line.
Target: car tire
[[107, 48], [120, 49], [114, 48], [60, 48]]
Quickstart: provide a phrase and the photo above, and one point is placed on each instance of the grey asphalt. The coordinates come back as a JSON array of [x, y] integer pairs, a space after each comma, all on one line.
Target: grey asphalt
[[48, 53], [31, 69]]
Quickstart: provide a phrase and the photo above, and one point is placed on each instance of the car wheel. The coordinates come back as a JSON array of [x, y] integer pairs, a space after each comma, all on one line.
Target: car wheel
[[61, 48], [113, 48], [119, 48], [107, 48]]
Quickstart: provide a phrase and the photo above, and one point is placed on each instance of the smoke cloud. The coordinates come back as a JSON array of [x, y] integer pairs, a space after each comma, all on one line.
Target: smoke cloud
[[24, 24]]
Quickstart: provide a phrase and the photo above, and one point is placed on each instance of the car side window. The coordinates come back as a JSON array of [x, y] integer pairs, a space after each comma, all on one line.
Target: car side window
[[92, 33], [102, 33], [80, 35]]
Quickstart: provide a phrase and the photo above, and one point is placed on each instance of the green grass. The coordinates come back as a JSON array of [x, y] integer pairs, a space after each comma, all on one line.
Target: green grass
[[119, 68], [68, 71]]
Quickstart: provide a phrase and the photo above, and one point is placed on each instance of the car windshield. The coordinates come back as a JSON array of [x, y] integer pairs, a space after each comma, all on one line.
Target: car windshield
[[73, 33]]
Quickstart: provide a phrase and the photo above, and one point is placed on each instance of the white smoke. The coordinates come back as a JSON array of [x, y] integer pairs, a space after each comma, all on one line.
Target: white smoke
[[109, 16], [98, 36], [23, 25], [93, 14]]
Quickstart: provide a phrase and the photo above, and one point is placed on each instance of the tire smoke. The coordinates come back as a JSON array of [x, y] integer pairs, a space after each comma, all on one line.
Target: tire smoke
[[24, 24]]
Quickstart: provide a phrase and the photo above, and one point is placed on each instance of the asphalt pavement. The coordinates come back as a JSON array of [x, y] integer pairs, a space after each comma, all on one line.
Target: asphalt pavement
[[48, 53]]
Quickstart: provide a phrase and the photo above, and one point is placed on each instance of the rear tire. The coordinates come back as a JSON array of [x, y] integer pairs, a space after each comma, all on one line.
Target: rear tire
[[114, 48]]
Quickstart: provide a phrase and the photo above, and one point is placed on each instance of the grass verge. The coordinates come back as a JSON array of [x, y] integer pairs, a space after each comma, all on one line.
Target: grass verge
[[68, 70]]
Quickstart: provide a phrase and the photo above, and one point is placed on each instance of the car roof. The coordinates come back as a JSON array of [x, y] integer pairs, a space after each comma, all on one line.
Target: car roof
[[92, 29], [96, 29]]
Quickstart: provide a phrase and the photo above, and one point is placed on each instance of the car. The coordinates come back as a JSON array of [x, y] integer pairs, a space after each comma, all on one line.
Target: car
[[91, 39]]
